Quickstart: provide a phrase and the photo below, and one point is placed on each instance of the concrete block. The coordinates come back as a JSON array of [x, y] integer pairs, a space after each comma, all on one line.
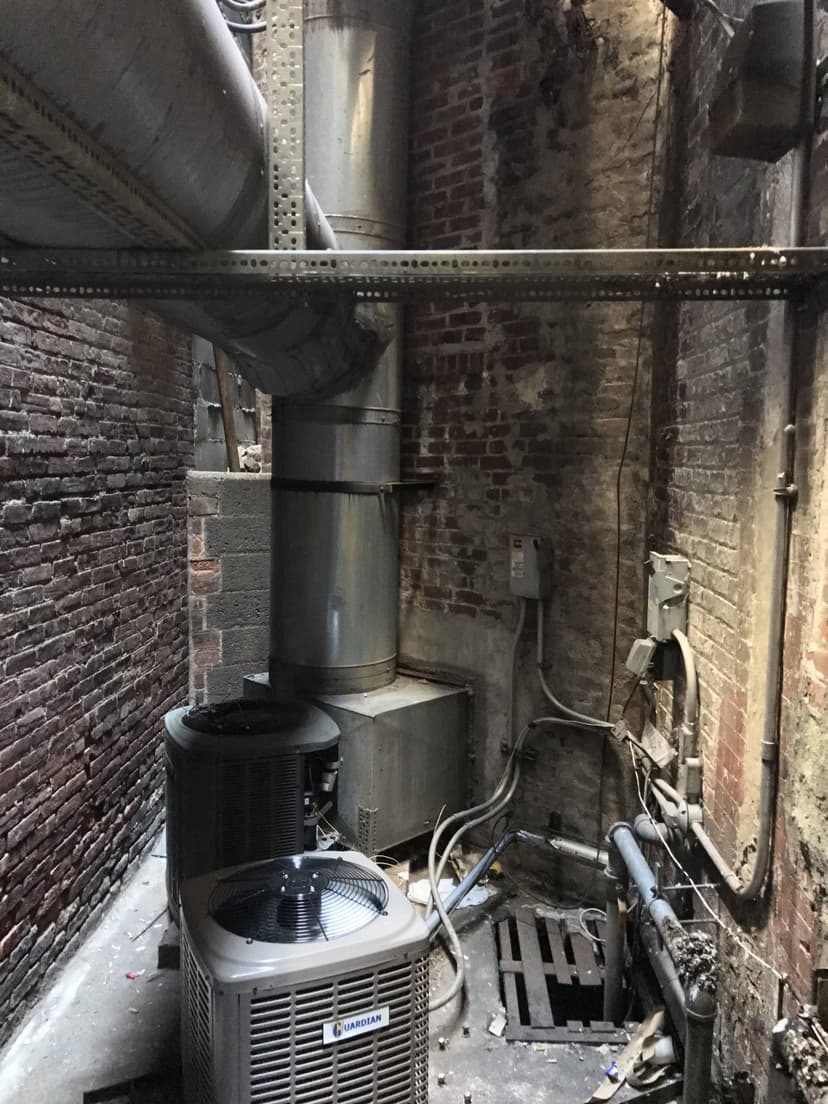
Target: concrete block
[[245, 494], [247, 571], [242, 533], [225, 683], [238, 610], [249, 646], [203, 483]]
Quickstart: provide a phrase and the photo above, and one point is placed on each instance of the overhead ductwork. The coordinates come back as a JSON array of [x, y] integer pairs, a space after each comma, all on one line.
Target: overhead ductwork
[[140, 125], [336, 460]]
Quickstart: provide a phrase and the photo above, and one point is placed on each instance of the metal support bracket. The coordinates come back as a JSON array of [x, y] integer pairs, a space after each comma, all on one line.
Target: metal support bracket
[[345, 486], [286, 101]]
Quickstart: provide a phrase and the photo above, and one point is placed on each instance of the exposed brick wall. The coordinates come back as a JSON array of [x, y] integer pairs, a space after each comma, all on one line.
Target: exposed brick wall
[[95, 435], [532, 126], [229, 581], [716, 417]]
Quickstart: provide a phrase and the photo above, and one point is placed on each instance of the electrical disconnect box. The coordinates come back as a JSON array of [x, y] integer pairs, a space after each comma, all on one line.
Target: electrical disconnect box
[[667, 595], [530, 563]]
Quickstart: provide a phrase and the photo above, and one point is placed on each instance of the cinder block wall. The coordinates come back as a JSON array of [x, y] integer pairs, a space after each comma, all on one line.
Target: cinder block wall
[[229, 581], [716, 417], [533, 126], [96, 434]]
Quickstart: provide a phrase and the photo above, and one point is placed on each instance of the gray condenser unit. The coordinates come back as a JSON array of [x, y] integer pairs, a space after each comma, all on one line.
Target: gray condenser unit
[[305, 981], [236, 783]]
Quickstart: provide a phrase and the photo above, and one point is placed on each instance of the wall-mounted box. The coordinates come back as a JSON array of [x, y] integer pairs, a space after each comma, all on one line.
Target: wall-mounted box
[[667, 595], [756, 108], [530, 566]]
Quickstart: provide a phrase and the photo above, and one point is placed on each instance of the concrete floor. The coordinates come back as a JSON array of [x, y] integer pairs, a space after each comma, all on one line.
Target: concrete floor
[[95, 1027]]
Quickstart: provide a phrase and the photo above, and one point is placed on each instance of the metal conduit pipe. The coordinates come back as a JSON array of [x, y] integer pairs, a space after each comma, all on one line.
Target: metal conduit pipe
[[140, 124], [667, 977], [785, 496], [689, 730], [622, 837], [334, 568], [573, 849], [693, 1013], [484, 864], [700, 1008], [564, 710], [648, 831]]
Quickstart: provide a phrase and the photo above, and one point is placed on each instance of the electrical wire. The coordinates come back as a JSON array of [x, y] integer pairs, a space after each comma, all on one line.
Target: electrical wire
[[508, 786], [243, 5], [636, 370], [582, 923]]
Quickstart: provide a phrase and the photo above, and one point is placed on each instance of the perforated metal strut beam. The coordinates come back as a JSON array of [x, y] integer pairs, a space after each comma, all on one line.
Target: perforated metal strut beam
[[412, 275]]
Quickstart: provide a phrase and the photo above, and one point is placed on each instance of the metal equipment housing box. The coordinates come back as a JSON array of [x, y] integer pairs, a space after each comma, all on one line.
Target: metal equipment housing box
[[530, 562], [757, 107], [403, 759]]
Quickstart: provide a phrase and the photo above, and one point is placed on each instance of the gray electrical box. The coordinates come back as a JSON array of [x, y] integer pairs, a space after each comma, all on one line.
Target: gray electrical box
[[530, 566], [667, 595]]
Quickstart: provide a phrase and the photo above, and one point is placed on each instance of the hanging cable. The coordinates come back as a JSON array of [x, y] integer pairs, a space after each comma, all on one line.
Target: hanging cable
[[636, 370], [506, 789]]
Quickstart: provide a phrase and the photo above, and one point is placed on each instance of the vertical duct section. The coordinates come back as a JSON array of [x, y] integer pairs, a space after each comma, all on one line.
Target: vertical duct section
[[335, 520]]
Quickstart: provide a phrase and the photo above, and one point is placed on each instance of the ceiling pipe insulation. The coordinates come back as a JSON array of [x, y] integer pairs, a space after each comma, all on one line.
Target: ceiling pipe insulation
[[127, 125]]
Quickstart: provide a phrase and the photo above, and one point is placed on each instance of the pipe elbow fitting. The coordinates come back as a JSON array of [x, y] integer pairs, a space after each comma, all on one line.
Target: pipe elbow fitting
[[701, 1005], [647, 830]]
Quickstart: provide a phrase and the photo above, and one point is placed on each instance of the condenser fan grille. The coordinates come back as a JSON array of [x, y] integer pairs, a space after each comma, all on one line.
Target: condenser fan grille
[[302, 899]]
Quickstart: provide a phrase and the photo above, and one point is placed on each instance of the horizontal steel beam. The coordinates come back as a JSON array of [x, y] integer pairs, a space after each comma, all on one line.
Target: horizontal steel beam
[[405, 276]]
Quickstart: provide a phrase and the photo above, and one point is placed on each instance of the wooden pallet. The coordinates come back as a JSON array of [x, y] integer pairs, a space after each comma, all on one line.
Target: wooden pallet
[[551, 973]]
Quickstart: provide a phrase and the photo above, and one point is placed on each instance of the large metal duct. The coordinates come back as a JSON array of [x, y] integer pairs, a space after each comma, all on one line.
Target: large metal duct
[[335, 514], [140, 124]]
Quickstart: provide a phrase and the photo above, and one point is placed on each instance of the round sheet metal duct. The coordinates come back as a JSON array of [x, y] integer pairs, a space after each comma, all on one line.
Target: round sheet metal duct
[[164, 88], [335, 522], [140, 124]]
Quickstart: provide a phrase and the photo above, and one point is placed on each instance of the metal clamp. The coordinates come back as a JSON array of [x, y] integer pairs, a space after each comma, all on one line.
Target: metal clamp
[[346, 486]]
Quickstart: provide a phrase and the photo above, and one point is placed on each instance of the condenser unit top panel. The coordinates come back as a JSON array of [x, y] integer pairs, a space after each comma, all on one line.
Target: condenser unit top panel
[[396, 930], [252, 729]]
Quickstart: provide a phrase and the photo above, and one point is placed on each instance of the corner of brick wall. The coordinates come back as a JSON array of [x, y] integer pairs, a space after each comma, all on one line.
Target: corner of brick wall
[[96, 408], [524, 135], [229, 581], [715, 412]]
